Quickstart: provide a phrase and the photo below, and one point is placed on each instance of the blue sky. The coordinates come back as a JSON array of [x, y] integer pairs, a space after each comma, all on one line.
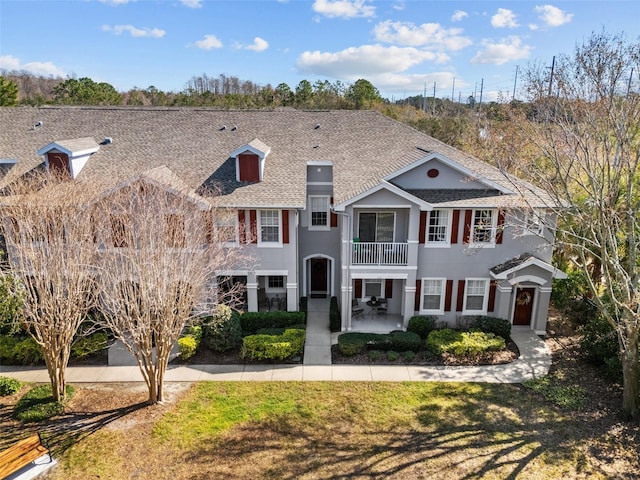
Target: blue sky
[[401, 46]]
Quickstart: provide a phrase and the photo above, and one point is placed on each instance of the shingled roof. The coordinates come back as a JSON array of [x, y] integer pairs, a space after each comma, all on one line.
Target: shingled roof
[[364, 147]]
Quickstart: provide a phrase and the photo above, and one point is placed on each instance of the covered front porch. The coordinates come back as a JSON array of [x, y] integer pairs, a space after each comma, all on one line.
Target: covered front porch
[[374, 323]]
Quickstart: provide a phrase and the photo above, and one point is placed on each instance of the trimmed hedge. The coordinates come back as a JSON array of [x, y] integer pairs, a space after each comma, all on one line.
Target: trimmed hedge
[[498, 326], [222, 330], [335, 321], [189, 341], [402, 341], [422, 325], [9, 386], [274, 347], [463, 343], [251, 322], [352, 343]]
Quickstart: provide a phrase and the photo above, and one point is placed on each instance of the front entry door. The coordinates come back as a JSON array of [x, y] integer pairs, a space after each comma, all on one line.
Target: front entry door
[[524, 306], [319, 277]]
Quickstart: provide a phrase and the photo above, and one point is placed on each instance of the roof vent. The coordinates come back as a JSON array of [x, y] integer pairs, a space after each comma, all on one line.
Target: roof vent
[[37, 124], [106, 141], [316, 127], [234, 128], [223, 127]]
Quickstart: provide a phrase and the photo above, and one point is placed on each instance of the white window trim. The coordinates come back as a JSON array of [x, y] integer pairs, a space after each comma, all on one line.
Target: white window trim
[[320, 227], [485, 299], [372, 280], [534, 222], [494, 228], [443, 286], [275, 244], [447, 242], [378, 213], [216, 232]]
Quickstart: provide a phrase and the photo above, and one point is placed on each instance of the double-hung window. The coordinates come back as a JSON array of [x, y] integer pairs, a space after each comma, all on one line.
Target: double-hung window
[[484, 226], [534, 222], [433, 293], [438, 227], [476, 296], [373, 288], [269, 226], [226, 226], [376, 226], [318, 212]]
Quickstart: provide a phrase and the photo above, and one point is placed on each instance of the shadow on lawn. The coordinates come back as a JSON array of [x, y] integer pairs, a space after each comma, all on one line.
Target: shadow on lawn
[[484, 435]]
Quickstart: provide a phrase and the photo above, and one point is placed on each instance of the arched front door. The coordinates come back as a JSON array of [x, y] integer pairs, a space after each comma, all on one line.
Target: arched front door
[[319, 277], [524, 306]]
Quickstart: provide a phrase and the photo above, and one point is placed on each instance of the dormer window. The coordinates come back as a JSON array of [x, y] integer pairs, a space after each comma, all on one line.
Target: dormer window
[[250, 161], [68, 157]]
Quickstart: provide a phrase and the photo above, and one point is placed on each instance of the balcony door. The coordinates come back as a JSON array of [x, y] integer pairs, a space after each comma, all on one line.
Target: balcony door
[[376, 226]]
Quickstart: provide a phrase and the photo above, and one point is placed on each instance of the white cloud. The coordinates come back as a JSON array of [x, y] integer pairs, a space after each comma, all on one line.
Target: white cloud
[[192, 3], [134, 31], [458, 15], [343, 8], [504, 19], [553, 16], [364, 61], [209, 42], [428, 34], [399, 5], [258, 45], [46, 69], [508, 49]]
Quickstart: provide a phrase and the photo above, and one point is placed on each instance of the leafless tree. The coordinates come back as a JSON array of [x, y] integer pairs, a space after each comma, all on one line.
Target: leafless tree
[[162, 249], [587, 133], [50, 254]]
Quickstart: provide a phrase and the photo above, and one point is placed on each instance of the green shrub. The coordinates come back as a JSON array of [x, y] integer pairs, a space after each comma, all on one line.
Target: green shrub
[[599, 344], [28, 352], [498, 326], [9, 386], [374, 355], [335, 321], [352, 343], [187, 346], [222, 330], [37, 404], [392, 355], [83, 347], [274, 347], [463, 343], [409, 356], [251, 322], [304, 306], [8, 349], [567, 291], [402, 341], [422, 325], [194, 331]]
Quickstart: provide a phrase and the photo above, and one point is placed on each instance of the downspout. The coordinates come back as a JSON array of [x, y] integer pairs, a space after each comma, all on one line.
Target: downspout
[[347, 252]]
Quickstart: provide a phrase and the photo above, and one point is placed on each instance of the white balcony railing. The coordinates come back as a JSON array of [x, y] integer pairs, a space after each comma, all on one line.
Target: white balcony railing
[[372, 253]]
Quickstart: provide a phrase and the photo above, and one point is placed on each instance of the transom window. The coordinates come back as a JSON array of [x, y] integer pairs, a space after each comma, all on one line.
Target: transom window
[[475, 296], [483, 226], [437, 230], [433, 290], [318, 213], [376, 226], [269, 226]]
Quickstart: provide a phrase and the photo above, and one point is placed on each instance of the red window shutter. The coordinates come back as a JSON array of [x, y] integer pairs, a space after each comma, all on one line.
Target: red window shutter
[[492, 296], [467, 226], [285, 226], [333, 216], [242, 226], [447, 296], [417, 301], [455, 223], [357, 287], [460, 300], [249, 166], [388, 288], [253, 226], [500, 227], [422, 235]]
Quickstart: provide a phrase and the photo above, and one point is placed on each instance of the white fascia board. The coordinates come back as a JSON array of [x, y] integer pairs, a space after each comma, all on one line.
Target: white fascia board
[[66, 151], [424, 206], [250, 148], [533, 261], [452, 164]]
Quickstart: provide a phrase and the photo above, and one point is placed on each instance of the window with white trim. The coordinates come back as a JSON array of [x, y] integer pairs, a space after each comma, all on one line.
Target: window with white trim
[[484, 226], [372, 288], [269, 226], [276, 281], [376, 226], [534, 222], [438, 227], [226, 226], [318, 212], [476, 295], [433, 293]]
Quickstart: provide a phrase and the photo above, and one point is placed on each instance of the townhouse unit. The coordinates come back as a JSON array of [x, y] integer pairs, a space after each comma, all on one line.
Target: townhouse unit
[[350, 204]]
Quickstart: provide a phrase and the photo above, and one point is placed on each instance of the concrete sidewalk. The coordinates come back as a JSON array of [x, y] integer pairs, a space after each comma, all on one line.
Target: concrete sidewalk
[[534, 361]]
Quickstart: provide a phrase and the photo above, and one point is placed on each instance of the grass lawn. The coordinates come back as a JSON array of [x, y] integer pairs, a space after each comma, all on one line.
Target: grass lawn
[[346, 430]]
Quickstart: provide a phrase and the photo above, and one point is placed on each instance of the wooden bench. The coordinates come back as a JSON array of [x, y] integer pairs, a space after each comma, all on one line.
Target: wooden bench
[[21, 454]]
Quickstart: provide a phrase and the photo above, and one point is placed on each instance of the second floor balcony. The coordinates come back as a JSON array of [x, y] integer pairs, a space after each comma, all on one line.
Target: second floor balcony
[[379, 253]]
